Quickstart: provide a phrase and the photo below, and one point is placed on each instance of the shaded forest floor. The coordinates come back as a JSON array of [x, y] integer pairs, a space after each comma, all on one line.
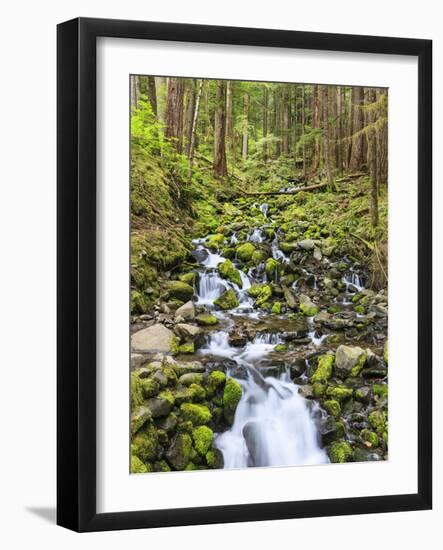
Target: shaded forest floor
[[167, 215]]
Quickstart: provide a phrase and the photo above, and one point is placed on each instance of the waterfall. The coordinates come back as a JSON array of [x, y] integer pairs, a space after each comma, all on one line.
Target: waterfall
[[256, 236], [273, 424], [264, 209]]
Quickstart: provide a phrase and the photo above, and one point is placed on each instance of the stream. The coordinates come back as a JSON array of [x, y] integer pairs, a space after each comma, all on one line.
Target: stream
[[274, 424]]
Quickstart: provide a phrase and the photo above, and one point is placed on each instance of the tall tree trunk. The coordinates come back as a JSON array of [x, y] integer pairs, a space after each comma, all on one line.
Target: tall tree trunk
[[160, 92], [372, 156], [315, 125], [285, 120], [339, 133], [229, 117], [220, 167], [265, 122], [277, 125], [194, 128], [189, 114], [303, 122], [152, 95], [135, 91], [245, 126], [357, 148], [326, 144], [174, 112]]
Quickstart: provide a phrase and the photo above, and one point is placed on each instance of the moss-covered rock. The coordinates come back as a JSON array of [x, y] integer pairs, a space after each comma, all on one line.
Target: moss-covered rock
[[137, 466], [150, 387], [227, 300], [339, 393], [145, 443], [231, 396], [198, 392], [254, 291], [271, 268], [179, 453], [187, 347], [264, 296], [369, 437], [332, 407], [139, 417], [276, 308], [339, 452], [245, 252], [214, 459], [385, 352], [216, 380], [280, 347], [215, 241], [227, 271], [378, 420], [307, 307], [324, 369], [206, 319], [349, 360], [197, 414], [180, 290], [188, 278], [380, 390], [136, 391], [202, 436], [258, 257]]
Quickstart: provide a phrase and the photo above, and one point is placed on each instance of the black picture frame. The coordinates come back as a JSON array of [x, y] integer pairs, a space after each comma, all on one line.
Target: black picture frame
[[76, 265]]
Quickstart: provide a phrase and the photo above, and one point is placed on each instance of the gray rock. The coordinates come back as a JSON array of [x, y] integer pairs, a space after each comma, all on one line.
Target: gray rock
[[137, 360], [306, 391], [349, 360], [178, 453], [191, 378], [139, 417], [289, 297], [306, 244], [153, 339], [159, 406], [187, 332], [186, 311], [317, 254]]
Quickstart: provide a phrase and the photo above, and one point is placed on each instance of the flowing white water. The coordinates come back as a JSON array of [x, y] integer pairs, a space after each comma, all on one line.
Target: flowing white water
[[256, 236], [353, 282], [264, 209], [273, 425]]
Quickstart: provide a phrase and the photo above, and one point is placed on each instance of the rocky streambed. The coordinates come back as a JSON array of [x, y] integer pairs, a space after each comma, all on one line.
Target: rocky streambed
[[268, 350]]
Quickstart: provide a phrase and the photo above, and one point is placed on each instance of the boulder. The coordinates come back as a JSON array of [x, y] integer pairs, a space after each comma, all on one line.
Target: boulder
[[181, 291], [317, 254], [206, 319], [227, 271], [186, 311], [306, 244], [179, 453], [187, 332], [307, 307], [153, 339], [227, 300], [159, 406], [289, 297], [137, 360], [139, 417], [349, 360]]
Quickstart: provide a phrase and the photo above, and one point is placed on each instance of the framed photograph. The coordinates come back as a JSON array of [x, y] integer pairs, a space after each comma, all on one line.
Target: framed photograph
[[244, 274]]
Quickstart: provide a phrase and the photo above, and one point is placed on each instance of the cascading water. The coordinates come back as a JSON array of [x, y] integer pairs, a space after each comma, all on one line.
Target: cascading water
[[264, 209]]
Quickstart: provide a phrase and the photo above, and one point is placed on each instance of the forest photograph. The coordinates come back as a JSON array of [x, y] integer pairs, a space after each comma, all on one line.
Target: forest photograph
[[259, 274]]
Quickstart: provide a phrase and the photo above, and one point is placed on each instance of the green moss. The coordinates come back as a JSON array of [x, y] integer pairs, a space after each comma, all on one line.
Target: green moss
[[161, 466], [145, 443], [181, 291], [385, 352], [280, 347], [340, 393], [340, 451], [334, 309], [139, 417], [378, 420], [139, 302], [318, 389], [245, 252], [381, 390], [215, 380], [254, 291], [228, 300], [137, 397], [179, 453], [191, 467], [169, 396], [228, 271], [137, 466], [271, 268], [258, 257], [369, 437], [231, 396], [215, 241], [324, 369], [197, 414], [175, 345], [308, 309], [187, 347], [359, 365], [189, 278], [276, 308], [206, 319], [198, 393], [202, 436], [150, 388], [265, 294], [332, 407], [359, 309]]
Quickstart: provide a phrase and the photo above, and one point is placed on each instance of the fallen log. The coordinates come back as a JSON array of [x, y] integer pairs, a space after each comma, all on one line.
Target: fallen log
[[268, 193]]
